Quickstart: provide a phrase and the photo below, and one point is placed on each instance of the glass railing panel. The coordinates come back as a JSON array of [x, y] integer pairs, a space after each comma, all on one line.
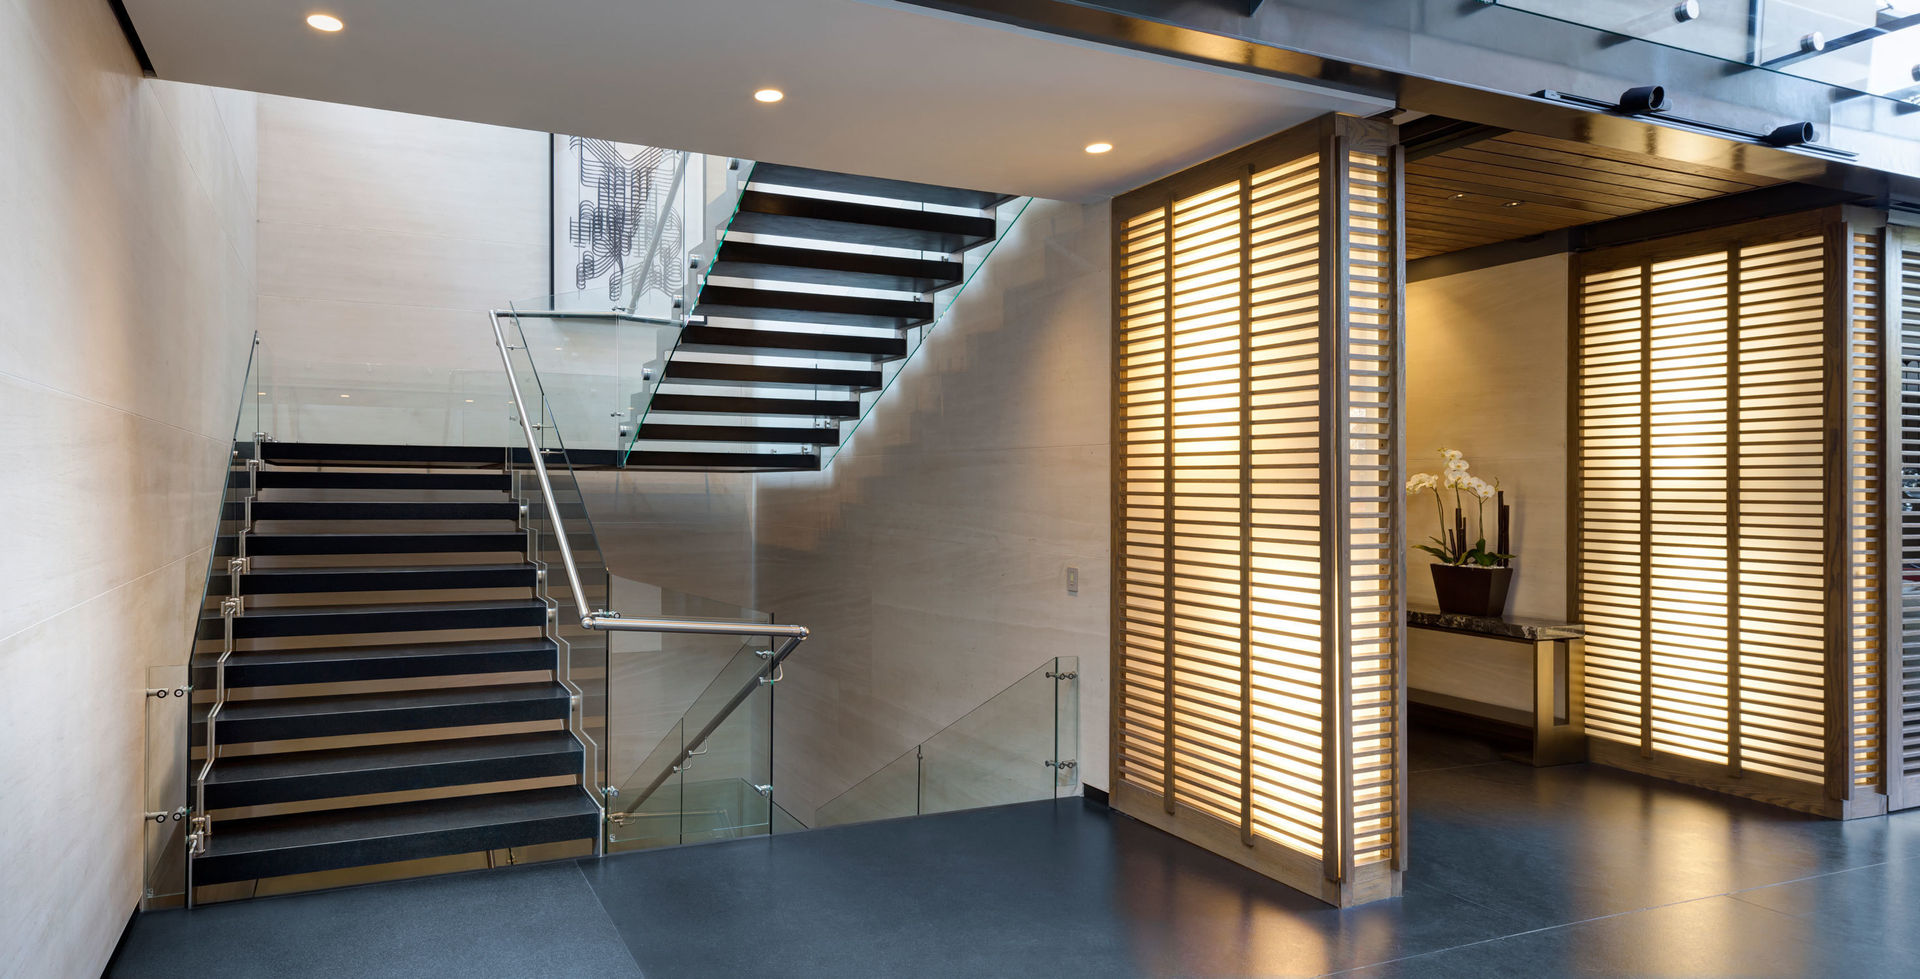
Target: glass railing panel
[[722, 788], [730, 783], [655, 820], [596, 373], [165, 778], [313, 399], [182, 694], [1864, 46], [1000, 752], [1019, 746], [889, 793], [1066, 725], [784, 821]]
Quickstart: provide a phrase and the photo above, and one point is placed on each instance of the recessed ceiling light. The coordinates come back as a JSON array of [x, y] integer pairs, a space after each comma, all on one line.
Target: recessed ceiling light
[[769, 95], [1456, 197], [469, 400], [325, 22], [1511, 204], [1099, 148], [346, 395]]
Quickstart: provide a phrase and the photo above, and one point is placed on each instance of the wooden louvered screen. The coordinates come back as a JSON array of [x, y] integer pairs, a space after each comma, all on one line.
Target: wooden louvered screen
[[1257, 632], [1725, 563], [1903, 567]]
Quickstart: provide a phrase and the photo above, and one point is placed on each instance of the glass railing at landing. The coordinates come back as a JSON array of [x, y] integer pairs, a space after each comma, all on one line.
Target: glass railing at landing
[[710, 776], [1020, 746], [1870, 47], [592, 368]]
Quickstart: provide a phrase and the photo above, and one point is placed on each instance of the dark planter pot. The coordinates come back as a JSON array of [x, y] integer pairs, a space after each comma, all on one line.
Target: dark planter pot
[[1468, 590]]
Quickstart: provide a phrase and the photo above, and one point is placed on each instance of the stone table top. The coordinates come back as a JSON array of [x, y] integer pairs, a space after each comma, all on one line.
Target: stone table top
[[1528, 630]]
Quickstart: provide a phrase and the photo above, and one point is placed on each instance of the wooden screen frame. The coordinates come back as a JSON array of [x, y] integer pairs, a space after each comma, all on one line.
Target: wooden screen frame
[[1334, 876], [1854, 777]]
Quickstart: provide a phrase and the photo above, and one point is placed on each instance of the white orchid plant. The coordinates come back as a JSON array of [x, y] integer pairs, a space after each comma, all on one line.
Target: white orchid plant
[[1451, 547]]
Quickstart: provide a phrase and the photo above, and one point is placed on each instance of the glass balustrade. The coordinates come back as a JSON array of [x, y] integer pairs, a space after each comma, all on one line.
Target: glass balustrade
[[709, 775], [1020, 746], [1863, 46], [178, 695]]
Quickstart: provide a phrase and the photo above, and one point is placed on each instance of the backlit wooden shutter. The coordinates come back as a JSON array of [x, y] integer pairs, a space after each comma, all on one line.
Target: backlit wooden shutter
[[1903, 694], [1257, 600], [1726, 568]]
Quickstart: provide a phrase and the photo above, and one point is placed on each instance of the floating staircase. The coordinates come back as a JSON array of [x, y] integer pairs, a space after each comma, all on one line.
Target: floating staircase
[[818, 283], [393, 692]]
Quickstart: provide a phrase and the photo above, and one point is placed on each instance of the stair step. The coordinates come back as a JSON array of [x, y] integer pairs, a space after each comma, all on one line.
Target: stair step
[[296, 544], [847, 183], [782, 343], [738, 302], [425, 577], [739, 433], [819, 266], [343, 620], [356, 454], [821, 219], [344, 664], [270, 846], [350, 510], [259, 780], [245, 721], [756, 406], [308, 479], [669, 461], [711, 372]]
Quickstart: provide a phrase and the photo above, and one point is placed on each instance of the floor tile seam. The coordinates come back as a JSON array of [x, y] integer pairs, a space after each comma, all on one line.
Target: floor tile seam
[[1737, 894], [607, 913], [1544, 928]]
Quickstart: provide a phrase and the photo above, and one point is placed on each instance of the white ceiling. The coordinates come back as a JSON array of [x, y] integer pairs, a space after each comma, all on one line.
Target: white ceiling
[[872, 87]]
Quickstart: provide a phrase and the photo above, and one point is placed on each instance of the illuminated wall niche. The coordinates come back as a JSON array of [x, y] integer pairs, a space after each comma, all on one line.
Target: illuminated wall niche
[[1257, 601], [1728, 485]]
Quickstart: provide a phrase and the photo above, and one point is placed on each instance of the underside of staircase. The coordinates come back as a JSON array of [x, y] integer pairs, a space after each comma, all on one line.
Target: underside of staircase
[[817, 285]]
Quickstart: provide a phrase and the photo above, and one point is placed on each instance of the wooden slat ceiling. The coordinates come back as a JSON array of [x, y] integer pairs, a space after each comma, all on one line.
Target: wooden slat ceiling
[[1515, 185]]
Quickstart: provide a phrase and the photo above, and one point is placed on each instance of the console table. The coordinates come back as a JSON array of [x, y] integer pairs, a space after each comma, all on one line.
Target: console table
[[1557, 719]]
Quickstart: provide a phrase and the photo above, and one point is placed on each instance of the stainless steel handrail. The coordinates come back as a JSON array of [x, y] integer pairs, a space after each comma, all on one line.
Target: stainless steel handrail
[[610, 621]]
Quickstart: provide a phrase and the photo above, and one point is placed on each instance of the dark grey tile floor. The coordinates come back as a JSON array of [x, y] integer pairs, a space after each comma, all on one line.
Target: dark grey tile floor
[[1573, 871]]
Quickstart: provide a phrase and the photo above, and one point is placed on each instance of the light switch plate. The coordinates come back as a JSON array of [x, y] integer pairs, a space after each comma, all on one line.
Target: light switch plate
[[1073, 581]]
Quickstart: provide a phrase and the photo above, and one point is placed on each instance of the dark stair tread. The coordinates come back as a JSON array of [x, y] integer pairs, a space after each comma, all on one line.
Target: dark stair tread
[[254, 780], [326, 620], [383, 510], [784, 343], [845, 222], [761, 434], [668, 461], [711, 372], [820, 266], [358, 454], [734, 405], [305, 479], [352, 703], [293, 718], [251, 768], [242, 849], [742, 302], [287, 581], [341, 664], [848, 183], [384, 543]]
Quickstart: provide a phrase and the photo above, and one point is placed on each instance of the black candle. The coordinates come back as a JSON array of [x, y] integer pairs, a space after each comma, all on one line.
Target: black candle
[[1500, 498]]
